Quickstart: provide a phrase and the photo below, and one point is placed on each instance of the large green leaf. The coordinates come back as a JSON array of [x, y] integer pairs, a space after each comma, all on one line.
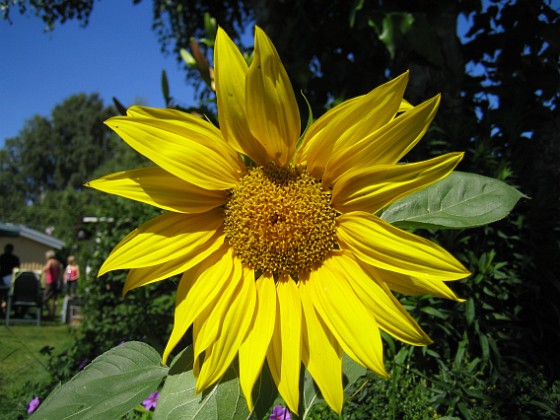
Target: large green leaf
[[461, 200], [112, 385], [351, 372], [178, 399]]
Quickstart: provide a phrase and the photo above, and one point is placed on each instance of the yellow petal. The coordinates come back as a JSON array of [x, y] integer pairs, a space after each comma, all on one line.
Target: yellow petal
[[371, 189], [346, 317], [138, 277], [253, 350], [164, 238], [349, 123], [317, 136], [160, 113], [412, 286], [200, 288], [159, 188], [272, 110], [230, 76], [206, 326], [181, 323], [382, 245], [191, 149], [233, 328], [322, 356], [387, 310], [405, 106], [386, 146], [283, 355]]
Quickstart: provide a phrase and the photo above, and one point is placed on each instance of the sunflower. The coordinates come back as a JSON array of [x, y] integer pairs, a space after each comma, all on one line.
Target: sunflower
[[276, 234]]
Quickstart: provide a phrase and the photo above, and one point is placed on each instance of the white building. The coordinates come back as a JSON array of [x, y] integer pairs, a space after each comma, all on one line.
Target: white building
[[29, 245]]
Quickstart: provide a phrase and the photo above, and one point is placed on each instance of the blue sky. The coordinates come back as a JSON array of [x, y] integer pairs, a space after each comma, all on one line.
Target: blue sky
[[117, 54]]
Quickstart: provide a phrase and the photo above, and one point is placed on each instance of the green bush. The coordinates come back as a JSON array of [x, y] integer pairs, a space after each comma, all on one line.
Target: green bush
[[144, 314]]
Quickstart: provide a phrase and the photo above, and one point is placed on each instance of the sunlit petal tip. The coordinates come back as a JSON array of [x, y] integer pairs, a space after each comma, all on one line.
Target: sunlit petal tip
[[106, 267], [127, 287], [113, 122], [392, 140], [198, 387], [220, 33], [405, 106], [223, 40], [432, 103], [398, 83], [330, 141], [230, 76], [158, 188], [388, 312], [272, 110], [125, 290], [355, 191], [190, 148], [395, 249]]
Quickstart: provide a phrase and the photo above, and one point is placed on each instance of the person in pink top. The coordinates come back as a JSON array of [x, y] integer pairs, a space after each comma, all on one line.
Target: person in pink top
[[52, 271], [71, 275]]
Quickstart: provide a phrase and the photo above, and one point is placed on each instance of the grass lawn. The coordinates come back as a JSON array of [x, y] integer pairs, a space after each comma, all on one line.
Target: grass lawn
[[21, 361]]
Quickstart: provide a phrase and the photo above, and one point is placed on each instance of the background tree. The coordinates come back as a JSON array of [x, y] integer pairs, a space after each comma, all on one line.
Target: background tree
[[51, 154], [43, 168]]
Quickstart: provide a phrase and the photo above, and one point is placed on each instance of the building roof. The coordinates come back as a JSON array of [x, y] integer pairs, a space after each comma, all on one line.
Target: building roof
[[13, 231]]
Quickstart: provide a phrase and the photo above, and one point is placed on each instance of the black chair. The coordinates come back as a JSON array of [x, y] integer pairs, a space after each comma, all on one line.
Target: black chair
[[25, 294]]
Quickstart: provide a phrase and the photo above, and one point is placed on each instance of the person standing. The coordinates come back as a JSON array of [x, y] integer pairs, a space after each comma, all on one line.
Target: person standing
[[8, 261], [52, 271], [72, 275]]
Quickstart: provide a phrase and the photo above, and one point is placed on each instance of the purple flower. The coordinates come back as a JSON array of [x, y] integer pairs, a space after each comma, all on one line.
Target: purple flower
[[151, 401], [83, 364], [280, 413], [33, 404]]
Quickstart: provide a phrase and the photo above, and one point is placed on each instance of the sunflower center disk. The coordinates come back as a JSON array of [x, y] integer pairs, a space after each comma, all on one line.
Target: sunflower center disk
[[280, 221]]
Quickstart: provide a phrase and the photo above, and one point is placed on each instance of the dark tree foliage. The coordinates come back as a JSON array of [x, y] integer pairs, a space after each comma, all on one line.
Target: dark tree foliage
[[51, 154], [50, 11], [176, 21]]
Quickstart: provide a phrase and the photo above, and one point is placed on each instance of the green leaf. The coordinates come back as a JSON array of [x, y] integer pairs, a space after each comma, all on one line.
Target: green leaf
[[210, 26], [484, 346], [264, 394], [469, 311], [310, 395], [351, 372], [112, 385], [430, 310], [395, 27], [187, 58], [178, 398], [461, 200], [460, 353], [310, 121], [165, 87]]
